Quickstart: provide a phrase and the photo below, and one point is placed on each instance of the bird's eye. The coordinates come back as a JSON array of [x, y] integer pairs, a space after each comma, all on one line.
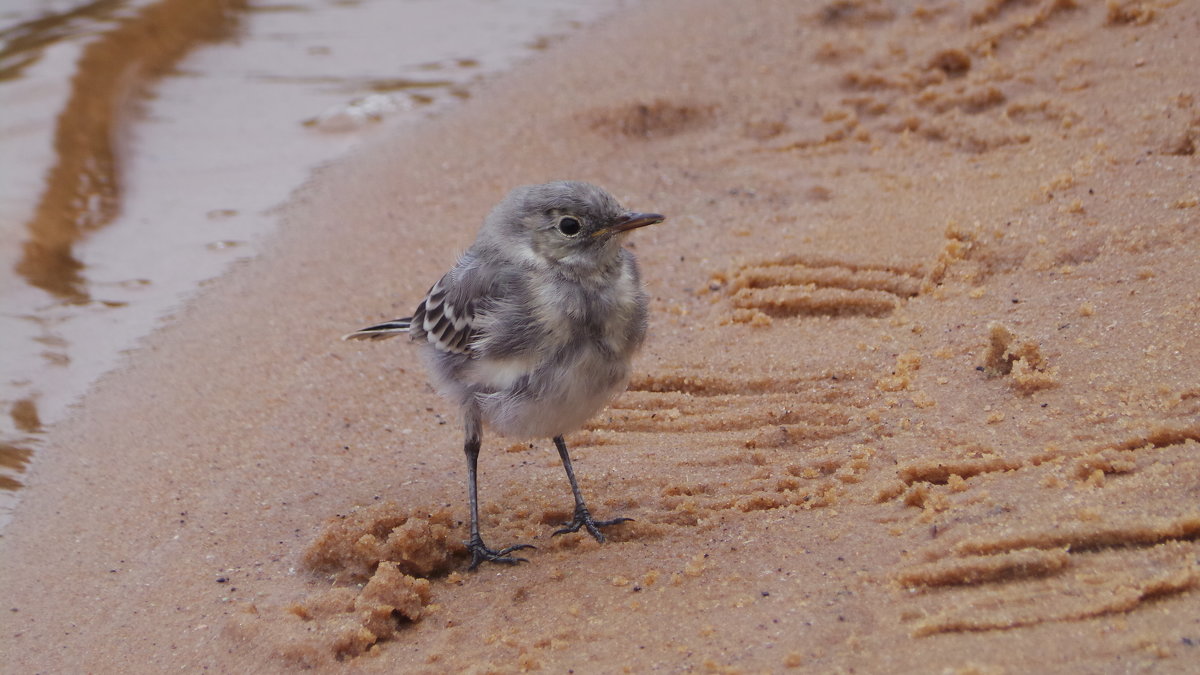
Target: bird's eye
[[569, 226]]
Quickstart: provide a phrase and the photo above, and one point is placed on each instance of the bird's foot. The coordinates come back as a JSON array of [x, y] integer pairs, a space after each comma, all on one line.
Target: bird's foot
[[584, 519], [481, 553]]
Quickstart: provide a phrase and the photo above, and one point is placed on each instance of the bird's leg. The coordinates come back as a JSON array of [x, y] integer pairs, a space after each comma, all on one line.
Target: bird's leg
[[479, 551], [583, 518]]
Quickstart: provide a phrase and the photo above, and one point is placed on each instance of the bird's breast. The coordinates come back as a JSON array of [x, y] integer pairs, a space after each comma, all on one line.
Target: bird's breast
[[604, 314]]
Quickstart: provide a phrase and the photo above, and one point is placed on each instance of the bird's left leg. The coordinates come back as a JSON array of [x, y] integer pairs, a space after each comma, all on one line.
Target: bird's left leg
[[583, 518], [479, 551]]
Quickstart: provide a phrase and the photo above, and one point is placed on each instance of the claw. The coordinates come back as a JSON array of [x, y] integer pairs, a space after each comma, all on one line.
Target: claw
[[584, 519], [481, 553]]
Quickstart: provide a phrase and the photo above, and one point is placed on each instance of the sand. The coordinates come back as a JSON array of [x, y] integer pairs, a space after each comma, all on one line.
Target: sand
[[922, 390]]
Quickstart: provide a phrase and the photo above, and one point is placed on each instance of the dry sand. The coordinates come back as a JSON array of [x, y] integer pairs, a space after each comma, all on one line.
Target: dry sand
[[922, 390]]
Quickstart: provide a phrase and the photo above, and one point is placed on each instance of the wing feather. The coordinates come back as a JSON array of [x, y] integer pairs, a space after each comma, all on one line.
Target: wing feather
[[446, 318], [381, 331]]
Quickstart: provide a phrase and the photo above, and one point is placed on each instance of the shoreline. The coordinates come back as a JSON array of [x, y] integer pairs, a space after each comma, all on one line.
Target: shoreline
[[160, 173], [834, 459]]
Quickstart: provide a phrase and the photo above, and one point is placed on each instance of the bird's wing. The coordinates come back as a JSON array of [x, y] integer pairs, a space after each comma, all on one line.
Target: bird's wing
[[446, 316]]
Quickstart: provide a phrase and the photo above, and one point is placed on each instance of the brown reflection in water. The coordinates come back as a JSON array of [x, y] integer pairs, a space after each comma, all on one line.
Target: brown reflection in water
[[83, 188], [12, 457], [25, 416]]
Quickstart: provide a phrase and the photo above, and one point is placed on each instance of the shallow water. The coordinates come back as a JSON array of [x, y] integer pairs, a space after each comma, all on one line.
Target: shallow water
[[146, 144]]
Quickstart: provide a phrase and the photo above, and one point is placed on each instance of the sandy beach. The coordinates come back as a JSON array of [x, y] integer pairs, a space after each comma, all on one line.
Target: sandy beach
[[921, 392]]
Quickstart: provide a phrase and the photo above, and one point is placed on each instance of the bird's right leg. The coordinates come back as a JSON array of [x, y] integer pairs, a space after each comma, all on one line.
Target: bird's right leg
[[479, 551], [583, 517]]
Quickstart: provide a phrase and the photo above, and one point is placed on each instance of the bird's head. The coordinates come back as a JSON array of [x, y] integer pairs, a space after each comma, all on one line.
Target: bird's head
[[567, 223]]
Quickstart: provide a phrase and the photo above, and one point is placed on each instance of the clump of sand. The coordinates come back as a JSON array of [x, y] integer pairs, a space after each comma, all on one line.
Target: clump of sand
[[352, 546], [1022, 359], [338, 623], [377, 556]]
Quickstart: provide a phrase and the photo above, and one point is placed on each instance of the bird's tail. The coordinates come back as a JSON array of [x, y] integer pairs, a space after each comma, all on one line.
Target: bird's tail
[[381, 331]]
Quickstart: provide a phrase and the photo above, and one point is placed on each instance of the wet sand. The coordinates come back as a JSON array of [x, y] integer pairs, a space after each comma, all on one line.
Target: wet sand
[[921, 392]]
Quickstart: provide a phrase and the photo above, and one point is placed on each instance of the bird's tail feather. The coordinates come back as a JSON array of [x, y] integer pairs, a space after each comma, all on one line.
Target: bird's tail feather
[[381, 331]]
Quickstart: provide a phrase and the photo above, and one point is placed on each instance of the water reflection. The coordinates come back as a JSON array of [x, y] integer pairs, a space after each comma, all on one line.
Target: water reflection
[[13, 459], [83, 188], [25, 416]]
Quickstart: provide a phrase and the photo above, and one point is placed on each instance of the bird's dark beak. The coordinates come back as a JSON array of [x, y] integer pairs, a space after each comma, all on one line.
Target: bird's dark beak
[[631, 221]]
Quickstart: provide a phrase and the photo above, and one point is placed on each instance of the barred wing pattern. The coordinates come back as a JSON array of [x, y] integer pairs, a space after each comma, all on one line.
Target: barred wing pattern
[[446, 326]]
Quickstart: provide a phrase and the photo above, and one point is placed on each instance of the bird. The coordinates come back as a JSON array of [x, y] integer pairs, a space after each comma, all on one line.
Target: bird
[[533, 330]]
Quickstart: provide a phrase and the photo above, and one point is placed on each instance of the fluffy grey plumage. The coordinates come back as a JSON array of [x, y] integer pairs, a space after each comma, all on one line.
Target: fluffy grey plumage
[[533, 330]]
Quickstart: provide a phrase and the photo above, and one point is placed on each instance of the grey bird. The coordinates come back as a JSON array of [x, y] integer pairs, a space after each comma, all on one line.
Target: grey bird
[[533, 330]]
